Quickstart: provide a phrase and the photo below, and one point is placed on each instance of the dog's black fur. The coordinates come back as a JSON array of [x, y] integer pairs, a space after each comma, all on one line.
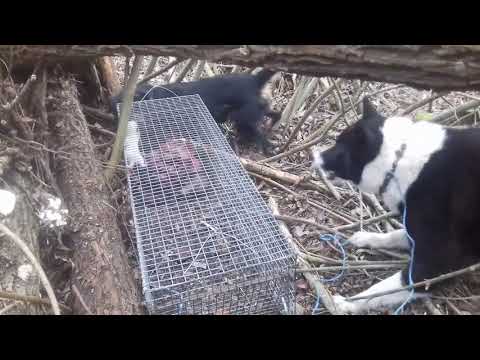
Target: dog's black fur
[[356, 146], [235, 96], [443, 203]]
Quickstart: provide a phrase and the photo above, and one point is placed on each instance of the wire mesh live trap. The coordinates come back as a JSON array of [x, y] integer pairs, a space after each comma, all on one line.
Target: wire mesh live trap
[[207, 241]]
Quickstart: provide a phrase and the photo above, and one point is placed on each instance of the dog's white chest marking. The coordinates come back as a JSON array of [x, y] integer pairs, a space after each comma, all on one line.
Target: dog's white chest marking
[[422, 140]]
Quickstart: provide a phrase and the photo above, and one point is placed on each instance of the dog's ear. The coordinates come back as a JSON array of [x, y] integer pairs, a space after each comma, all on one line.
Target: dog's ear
[[368, 109]]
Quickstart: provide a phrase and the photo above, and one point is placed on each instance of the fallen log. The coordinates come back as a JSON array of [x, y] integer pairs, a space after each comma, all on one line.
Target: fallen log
[[438, 67], [102, 279]]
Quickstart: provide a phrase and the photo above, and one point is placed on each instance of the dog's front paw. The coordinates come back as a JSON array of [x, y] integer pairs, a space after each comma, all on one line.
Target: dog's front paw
[[361, 239], [343, 306]]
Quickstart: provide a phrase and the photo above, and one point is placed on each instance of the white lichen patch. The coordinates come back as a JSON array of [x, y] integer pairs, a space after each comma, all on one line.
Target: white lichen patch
[[24, 271], [7, 202], [52, 214]]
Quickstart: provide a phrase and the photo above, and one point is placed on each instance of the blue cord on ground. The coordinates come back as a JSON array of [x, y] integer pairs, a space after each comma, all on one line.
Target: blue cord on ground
[[334, 239], [330, 237]]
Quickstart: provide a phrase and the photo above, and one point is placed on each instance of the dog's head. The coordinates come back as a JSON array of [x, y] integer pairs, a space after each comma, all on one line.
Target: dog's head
[[355, 147]]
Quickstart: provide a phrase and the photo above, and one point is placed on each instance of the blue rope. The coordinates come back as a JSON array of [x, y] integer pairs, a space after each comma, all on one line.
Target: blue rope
[[330, 237], [412, 253], [334, 239]]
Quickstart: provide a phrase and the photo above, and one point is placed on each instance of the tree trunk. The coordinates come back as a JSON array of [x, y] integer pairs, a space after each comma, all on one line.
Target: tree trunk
[[438, 67], [102, 280], [16, 271]]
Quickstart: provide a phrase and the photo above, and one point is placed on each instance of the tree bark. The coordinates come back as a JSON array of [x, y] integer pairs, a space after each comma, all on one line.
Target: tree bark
[[109, 76], [23, 222], [102, 280], [438, 67]]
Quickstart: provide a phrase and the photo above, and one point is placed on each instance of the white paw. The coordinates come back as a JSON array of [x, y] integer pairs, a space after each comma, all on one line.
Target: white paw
[[343, 306], [362, 239]]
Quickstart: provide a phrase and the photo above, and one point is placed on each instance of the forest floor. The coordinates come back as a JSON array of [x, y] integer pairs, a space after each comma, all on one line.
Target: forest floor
[[350, 208]]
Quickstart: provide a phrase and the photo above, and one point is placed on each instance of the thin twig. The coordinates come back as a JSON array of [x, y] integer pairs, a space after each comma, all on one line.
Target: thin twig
[[210, 71], [375, 203], [431, 307], [329, 185], [185, 70], [445, 115], [370, 221], [317, 136], [452, 306], [126, 70], [312, 108], [8, 308], [321, 291], [342, 104], [97, 113], [458, 298], [30, 299], [151, 65], [426, 283], [287, 218], [80, 298], [160, 72], [199, 70], [351, 267], [300, 196], [305, 88], [101, 130], [28, 84], [469, 96], [126, 106], [421, 103], [43, 277]]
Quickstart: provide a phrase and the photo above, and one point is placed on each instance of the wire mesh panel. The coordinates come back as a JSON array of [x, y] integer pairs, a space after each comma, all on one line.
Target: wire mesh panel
[[207, 242]]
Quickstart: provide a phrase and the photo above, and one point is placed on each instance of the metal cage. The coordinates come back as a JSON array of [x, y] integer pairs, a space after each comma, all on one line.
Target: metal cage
[[207, 241]]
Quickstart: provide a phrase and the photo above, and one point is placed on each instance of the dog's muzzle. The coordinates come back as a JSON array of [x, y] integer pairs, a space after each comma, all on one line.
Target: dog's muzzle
[[318, 163]]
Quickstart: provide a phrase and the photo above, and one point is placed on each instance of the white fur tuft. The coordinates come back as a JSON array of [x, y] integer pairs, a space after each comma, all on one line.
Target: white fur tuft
[[132, 151]]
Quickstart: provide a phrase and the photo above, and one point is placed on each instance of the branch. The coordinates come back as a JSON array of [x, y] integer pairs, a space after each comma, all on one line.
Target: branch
[[307, 114], [455, 111], [28, 84], [286, 218], [97, 113], [126, 106], [43, 277], [199, 70], [351, 267], [151, 66], [426, 283], [300, 196], [185, 70], [160, 72], [437, 67], [304, 90], [370, 221], [279, 174], [30, 299], [317, 136], [421, 103], [314, 283]]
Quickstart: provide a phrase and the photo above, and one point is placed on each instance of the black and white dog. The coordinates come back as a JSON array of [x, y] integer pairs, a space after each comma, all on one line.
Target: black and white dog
[[436, 170], [237, 97]]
